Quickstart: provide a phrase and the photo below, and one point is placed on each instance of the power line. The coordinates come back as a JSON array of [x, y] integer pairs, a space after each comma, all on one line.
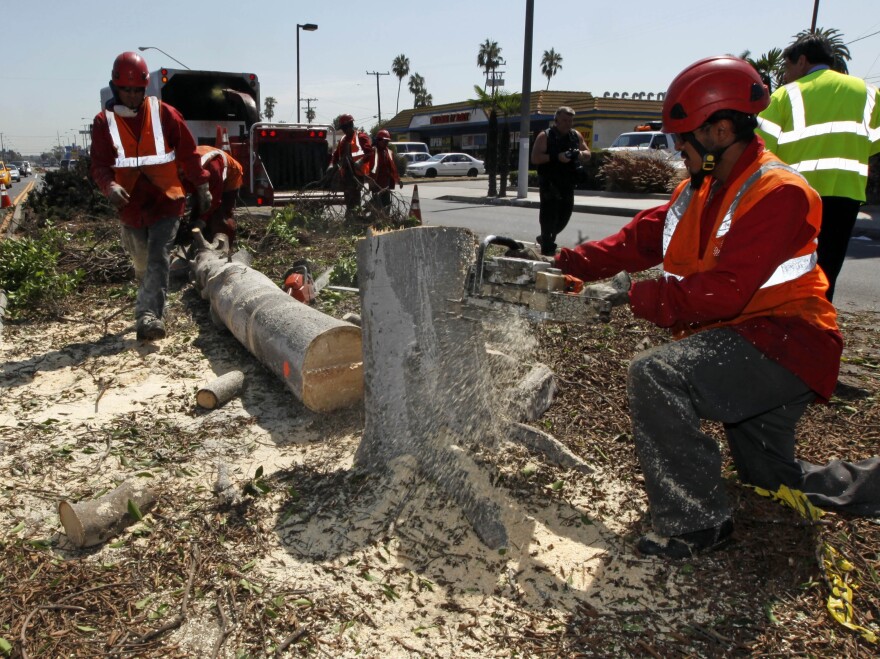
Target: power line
[[860, 38]]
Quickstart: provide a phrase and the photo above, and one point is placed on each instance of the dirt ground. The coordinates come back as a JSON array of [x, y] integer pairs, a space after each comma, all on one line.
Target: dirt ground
[[314, 558]]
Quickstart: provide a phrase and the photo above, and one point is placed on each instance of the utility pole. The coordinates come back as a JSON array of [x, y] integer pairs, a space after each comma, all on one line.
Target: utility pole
[[310, 114], [522, 174], [815, 15], [378, 99]]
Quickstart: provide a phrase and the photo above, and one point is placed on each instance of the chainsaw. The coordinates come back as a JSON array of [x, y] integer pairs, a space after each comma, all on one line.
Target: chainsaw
[[533, 289]]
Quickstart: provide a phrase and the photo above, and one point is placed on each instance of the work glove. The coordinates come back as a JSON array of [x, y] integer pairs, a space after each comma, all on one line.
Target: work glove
[[529, 254], [615, 292], [331, 169], [118, 196], [203, 198]]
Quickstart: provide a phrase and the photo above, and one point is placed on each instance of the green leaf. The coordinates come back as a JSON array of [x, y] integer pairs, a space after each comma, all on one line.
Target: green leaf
[[18, 527], [85, 628], [134, 511], [557, 485], [303, 601], [5, 646], [259, 472]]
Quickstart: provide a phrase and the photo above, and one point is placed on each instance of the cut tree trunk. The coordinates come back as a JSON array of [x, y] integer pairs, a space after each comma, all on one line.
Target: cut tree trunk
[[222, 389], [428, 391], [89, 523], [316, 356]]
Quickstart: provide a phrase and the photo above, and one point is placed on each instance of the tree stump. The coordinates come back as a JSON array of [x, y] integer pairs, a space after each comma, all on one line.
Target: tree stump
[[428, 392]]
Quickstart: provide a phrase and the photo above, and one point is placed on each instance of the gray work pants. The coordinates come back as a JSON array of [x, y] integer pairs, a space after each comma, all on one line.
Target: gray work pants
[[150, 250], [719, 376]]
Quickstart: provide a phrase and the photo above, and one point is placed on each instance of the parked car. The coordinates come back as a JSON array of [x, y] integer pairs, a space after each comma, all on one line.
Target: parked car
[[14, 173], [67, 164], [5, 179], [415, 157], [409, 147], [447, 164]]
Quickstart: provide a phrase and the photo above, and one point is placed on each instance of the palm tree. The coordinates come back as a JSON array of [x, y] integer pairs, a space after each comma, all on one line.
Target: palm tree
[[487, 103], [508, 105], [421, 97], [839, 51], [769, 66], [400, 66], [269, 111], [489, 58], [551, 62], [416, 86]]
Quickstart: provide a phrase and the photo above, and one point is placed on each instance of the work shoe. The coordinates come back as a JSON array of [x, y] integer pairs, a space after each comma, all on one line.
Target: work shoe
[[686, 545], [150, 328]]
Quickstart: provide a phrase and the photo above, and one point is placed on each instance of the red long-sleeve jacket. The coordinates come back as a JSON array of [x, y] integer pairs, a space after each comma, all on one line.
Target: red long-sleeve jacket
[[773, 230], [147, 204]]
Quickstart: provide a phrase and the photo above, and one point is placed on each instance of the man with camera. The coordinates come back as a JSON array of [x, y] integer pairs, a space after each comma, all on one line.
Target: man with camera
[[558, 154]]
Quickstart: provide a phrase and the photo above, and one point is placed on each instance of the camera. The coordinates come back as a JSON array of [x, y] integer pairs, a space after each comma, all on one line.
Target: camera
[[573, 155]]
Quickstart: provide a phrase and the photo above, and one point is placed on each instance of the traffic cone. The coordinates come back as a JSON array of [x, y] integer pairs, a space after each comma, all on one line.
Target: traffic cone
[[222, 140], [415, 210], [5, 201]]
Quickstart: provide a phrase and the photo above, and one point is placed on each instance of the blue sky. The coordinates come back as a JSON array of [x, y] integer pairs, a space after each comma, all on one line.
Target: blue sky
[[58, 53]]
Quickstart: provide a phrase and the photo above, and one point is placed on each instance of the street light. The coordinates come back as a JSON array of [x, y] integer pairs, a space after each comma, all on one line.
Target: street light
[[143, 48], [308, 27]]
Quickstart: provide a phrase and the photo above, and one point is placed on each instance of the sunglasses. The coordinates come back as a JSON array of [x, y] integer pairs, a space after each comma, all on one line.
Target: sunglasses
[[132, 90]]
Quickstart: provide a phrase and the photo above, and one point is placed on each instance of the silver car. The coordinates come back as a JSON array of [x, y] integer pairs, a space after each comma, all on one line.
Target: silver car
[[14, 174], [447, 164]]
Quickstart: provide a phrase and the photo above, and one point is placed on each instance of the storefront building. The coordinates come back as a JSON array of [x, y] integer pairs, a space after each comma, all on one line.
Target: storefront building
[[461, 127]]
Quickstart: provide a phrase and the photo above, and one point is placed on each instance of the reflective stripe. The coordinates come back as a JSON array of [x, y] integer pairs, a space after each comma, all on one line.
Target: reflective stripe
[[873, 133], [774, 130], [216, 154], [800, 131], [161, 158], [843, 164], [355, 142], [798, 116], [786, 271]]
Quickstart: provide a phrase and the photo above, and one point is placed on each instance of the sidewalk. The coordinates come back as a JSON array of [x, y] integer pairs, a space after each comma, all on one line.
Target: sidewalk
[[602, 203]]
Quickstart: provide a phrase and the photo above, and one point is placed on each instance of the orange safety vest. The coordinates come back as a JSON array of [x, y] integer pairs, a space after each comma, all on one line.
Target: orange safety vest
[[232, 171], [150, 155], [361, 168], [795, 289]]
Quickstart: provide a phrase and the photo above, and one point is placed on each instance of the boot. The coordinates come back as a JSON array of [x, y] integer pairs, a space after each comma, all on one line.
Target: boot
[[150, 328]]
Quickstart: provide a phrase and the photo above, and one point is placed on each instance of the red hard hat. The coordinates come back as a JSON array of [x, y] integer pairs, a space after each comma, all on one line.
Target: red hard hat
[[709, 85], [383, 135], [345, 119], [130, 70]]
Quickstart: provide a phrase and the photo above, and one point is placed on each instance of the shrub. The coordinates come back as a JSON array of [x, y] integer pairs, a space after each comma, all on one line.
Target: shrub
[[69, 193], [626, 172], [29, 270]]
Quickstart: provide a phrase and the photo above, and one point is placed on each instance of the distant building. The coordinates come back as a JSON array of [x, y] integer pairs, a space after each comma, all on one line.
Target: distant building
[[462, 127]]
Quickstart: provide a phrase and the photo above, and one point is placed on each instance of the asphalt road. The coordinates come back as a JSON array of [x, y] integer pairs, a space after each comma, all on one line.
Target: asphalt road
[[857, 286]]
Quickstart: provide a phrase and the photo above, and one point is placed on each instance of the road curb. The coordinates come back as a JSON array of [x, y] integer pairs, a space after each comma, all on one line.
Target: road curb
[[529, 203]]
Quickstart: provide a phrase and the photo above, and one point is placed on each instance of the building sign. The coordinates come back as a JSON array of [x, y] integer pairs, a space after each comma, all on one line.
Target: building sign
[[473, 141], [453, 118], [447, 118], [443, 143]]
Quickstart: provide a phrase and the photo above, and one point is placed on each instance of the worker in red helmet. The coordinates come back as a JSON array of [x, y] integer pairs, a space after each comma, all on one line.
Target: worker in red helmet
[[351, 161], [383, 171], [740, 289], [138, 145], [225, 179]]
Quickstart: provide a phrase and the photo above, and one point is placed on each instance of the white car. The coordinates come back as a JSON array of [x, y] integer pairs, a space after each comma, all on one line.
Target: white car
[[447, 164], [14, 174]]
